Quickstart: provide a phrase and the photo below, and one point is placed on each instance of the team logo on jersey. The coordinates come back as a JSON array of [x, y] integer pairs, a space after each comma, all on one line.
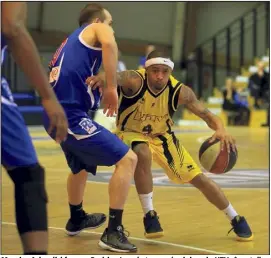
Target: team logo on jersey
[[190, 167], [54, 74], [87, 125]]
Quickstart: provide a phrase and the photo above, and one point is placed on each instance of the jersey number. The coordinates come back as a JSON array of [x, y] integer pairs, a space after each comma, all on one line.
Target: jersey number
[[147, 129]]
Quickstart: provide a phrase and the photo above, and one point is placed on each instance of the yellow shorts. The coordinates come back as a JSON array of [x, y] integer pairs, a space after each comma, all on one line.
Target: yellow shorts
[[168, 153]]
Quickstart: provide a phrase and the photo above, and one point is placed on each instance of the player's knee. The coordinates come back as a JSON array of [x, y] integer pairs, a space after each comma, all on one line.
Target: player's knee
[[129, 161], [143, 153], [30, 198], [200, 181]]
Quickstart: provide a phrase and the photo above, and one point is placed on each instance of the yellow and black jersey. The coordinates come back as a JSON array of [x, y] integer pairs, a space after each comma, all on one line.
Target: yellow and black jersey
[[148, 112]]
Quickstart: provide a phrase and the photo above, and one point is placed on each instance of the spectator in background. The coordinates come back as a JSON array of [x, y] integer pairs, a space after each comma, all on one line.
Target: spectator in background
[[149, 49], [237, 102], [259, 85], [121, 65]]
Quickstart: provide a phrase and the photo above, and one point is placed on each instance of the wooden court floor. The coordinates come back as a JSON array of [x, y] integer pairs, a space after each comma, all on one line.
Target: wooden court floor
[[191, 224]]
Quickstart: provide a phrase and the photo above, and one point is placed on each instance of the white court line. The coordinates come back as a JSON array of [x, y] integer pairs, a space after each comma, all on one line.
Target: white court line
[[191, 187], [140, 239], [160, 186]]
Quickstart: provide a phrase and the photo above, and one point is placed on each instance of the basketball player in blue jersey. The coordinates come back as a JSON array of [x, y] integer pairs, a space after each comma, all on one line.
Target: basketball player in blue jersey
[[88, 144], [18, 154], [148, 99]]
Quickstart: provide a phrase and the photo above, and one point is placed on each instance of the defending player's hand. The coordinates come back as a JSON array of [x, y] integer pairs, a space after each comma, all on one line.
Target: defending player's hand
[[110, 100], [95, 82], [57, 117], [225, 140]]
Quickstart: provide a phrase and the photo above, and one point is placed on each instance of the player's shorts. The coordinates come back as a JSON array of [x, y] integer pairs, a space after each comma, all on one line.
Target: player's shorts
[[89, 145], [168, 153], [17, 148]]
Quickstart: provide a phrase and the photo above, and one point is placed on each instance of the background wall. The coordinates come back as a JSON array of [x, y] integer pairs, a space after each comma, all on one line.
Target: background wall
[[139, 23]]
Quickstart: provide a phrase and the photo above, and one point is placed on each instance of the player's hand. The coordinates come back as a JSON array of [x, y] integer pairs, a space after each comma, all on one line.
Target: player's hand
[[226, 140], [57, 117], [95, 82], [110, 100]]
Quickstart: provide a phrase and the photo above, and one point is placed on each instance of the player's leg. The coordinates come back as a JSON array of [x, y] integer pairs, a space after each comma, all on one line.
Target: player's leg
[[19, 159], [181, 168], [143, 181], [216, 196], [105, 149], [76, 182]]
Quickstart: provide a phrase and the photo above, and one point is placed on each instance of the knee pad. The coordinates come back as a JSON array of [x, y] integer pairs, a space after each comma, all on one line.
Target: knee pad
[[30, 198]]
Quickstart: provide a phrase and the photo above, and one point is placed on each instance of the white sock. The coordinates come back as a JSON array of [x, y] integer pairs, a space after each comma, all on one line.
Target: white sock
[[230, 212], [146, 202]]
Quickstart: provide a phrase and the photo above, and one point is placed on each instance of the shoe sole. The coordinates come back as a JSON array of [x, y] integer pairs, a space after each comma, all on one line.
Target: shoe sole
[[112, 249], [74, 233], [245, 239], [154, 235]]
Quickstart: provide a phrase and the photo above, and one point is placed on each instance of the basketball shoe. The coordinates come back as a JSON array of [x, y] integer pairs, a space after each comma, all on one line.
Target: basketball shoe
[[152, 225], [241, 229], [116, 241], [86, 221]]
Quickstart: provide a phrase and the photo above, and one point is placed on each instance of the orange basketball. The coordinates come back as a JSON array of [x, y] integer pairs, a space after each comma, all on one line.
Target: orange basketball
[[214, 160]]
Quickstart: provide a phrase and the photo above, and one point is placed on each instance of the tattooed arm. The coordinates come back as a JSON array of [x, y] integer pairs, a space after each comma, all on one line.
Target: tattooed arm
[[188, 98], [128, 80]]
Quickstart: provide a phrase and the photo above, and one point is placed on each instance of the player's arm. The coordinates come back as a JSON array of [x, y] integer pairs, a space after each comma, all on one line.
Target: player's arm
[[188, 98], [105, 36], [128, 80], [22, 46], [25, 54]]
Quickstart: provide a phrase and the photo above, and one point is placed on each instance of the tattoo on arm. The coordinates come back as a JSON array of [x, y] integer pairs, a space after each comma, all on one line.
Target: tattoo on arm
[[189, 99], [130, 91], [124, 78], [129, 81]]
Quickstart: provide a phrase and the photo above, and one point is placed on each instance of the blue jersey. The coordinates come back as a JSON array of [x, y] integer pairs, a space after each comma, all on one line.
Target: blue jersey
[[88, 144], [17, 148], [71, 65], [5, 91]]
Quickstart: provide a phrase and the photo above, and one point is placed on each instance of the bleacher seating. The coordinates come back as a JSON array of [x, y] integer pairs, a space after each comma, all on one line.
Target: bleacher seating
[[214, 103], [30, 108]]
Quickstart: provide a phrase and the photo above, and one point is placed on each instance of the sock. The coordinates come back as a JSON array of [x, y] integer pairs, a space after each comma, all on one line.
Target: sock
[[115, 219], [35, 253], [146, 202], [76, 212], [230, 212]]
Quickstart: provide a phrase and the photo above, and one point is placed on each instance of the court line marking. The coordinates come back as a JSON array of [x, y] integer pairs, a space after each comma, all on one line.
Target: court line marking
[[159, 186], [138, 239], [164, 186]]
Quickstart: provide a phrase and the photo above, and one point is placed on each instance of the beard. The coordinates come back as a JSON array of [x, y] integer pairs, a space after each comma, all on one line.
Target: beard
[[158, 86]]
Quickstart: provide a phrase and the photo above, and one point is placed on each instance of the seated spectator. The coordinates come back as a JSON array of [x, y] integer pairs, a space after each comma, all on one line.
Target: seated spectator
[[236, 102], [121, 65], [259, 85], [142, 60]]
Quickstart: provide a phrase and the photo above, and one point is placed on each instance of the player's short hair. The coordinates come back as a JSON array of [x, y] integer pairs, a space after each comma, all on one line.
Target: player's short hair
[[91, 12], [157, 53]]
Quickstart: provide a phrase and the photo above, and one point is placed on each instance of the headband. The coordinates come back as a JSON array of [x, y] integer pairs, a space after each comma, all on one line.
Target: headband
[[159, 60]]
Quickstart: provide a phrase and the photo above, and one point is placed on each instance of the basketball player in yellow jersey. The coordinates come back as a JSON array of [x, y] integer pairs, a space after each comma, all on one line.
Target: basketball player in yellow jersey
[[148, 100]]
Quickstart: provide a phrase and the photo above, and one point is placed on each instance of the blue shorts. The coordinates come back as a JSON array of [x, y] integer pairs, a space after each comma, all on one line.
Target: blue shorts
[[17, 148], [89, 145]]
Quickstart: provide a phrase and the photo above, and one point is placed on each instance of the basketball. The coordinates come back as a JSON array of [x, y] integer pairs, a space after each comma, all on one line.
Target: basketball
[[215, 160]]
